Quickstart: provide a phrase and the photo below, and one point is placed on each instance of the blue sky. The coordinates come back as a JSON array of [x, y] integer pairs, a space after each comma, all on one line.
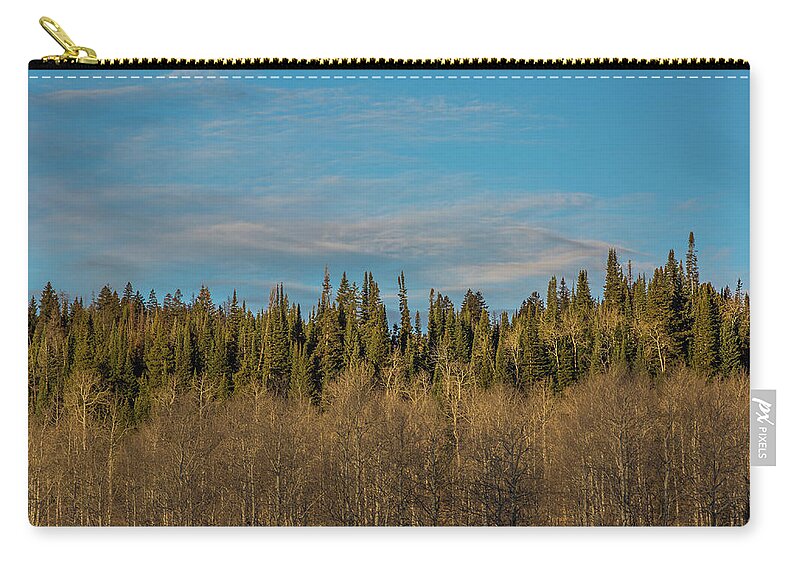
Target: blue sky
[[492, 184]]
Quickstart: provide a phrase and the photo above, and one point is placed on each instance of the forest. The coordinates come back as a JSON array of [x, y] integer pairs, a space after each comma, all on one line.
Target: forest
[[625, 409]]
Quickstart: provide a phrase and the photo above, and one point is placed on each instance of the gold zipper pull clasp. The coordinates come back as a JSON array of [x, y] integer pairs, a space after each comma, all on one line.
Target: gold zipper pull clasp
[[72, 53]]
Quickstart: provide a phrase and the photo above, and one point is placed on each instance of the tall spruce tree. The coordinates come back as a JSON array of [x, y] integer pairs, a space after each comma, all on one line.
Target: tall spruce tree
[[277, 364], [152, 302], [613, 291], [705, 347], [692, 270], [483, 351], [377, 340], [404, 335], [329, 338]]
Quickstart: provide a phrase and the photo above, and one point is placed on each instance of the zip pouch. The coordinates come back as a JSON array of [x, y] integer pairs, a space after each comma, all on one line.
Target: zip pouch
[[380, 292]]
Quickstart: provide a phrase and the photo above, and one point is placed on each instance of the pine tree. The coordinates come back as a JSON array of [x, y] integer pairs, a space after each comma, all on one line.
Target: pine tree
[[692, 271], [655, 325], [353, 349], [277, 357], [108, 303], [127, 293], [730, 348], [552, 313], [678, 318], [300, 385], [248, 352], [744, 331], [326, 301], [404, 334], [345, 301], [613, 291], [539, 364], [705, 349], [297, 334], [185, 355], [159, 359], [364, 314], [32, 318], [583, 295], [329, 338], [377, 341], [483, 353], [435, 322], [203, 305], [138, 302], [563, 297], [152, 302], [453, 343], [472, 306], [84, 349]]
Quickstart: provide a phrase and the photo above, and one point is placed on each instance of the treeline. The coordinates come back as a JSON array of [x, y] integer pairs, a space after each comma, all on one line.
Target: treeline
[[613, 449], [630, 409], [139, 350]]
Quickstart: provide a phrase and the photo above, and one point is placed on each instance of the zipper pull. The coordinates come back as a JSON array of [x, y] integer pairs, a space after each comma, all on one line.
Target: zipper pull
[[72, 52]]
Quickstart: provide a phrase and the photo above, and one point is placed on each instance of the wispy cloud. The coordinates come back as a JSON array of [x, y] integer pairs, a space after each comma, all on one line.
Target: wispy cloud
[[496, 186], [690, 205], [95, 94]]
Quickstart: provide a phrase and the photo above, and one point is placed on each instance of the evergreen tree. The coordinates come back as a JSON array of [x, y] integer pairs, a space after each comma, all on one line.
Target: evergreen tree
[[613, 291], [326, 301], [203, 305], [138, 302], [377, 341], [583, 295], [563, 297], [435, 321], [472, 306], [247, 351], [277, 357], [48, 303], [483, 352], [185, 355], [364, 314], [678, 317], [329, 338], [152, 302], [730, 348], [159, 359], [404, 334], [345, 301], [705, 350], [353, 349], [300, 385], [32, 318], [127, 293], [552, 313], [692, 271], [453, 343], [657, 322]]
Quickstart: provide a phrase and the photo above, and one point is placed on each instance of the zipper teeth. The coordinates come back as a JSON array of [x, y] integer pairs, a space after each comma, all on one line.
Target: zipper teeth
[[381, 63]]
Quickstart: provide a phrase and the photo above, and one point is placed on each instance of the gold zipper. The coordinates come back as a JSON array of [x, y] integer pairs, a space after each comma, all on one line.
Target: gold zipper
[[72, 53], [79, 56]]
